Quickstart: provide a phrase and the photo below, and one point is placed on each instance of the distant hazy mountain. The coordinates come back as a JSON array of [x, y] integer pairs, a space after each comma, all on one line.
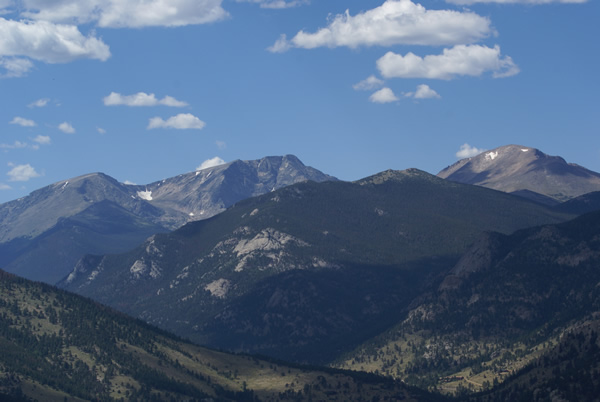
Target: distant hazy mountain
[[204, 193], [306, 272], [525, 171], [57, 346], [43, 234]]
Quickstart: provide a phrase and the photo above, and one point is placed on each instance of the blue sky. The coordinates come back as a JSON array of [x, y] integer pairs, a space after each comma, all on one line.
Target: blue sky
[[147, 89]]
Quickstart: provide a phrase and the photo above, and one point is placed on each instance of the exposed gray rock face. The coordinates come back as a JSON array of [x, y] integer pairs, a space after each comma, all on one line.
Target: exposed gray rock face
[[205, 193], [522, 170]]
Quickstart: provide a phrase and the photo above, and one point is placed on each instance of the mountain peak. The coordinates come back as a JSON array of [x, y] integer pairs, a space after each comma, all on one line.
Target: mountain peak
[[396, 176], [518, 169]]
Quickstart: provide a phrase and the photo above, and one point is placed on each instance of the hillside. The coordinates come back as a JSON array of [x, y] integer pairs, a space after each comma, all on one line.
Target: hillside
[[504, 305], [307, 272], [56, 346]]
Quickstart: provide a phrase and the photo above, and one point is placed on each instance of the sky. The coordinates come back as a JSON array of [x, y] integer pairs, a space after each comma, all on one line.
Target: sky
[[143, 90]]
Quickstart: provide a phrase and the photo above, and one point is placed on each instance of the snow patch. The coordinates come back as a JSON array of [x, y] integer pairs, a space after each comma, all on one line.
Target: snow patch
[[65, 185], [491, 155], [524, 150], [145, 195], [254, 212], [191, 214]]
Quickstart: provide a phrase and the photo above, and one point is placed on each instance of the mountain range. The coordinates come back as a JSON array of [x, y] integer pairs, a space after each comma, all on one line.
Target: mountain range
[[307, 272], [525, 171], [44, 234], [487, 294]]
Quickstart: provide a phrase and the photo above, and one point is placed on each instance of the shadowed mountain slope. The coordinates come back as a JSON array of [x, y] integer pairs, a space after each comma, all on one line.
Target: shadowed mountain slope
[[504, 306]]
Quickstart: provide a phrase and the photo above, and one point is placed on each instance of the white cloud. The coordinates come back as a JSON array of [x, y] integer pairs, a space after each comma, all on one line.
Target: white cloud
[[21, 172], [39, 103], [384, 95], [100, 130], [181, 121], [14, 145], [126, 13], [216, 161], [23, 122], [467, 151], [281, 45], [221, 144], [276, 3], [395, 22], [66, 128], [467, 2], [141, 99], [5, 187], [471, 60], [14, 66], [368, 84], [47, 42], [423, 92], [42, 139]]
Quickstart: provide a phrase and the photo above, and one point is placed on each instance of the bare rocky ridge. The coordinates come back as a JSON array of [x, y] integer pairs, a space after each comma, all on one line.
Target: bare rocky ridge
[[525, 171]]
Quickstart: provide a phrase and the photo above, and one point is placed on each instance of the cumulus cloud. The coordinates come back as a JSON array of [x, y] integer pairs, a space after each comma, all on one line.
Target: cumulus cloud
[[395, 22], [5, 187], [14, 145], [281, 45], [384, 95], [66, 128], [181, 121], [467, 151], [216, 161], [39, 103], [14, 66], [276, 3], [368, 84], [47, 42], [42, 139], [21, 172], [468, 2], [20, 121], [423, 92], [126, 13], [141, 99], [471, 60]]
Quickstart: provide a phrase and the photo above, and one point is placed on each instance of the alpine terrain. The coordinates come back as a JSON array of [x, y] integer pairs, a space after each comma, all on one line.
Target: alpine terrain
[[307, 272], [44, 234], [525, 171]]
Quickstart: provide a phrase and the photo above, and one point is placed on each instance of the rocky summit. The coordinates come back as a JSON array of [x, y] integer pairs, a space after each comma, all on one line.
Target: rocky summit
[[525, 171]]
